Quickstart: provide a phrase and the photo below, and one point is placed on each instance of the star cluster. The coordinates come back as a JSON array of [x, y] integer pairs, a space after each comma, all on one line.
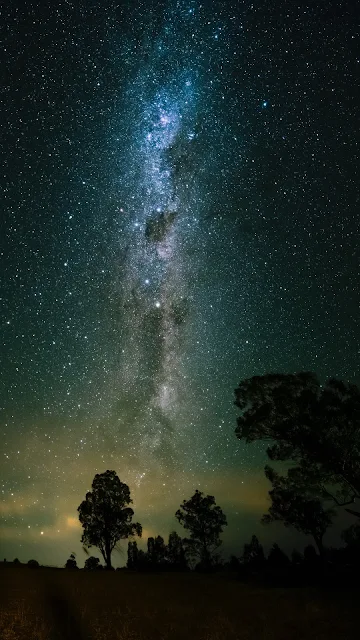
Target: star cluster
[[180, 198]]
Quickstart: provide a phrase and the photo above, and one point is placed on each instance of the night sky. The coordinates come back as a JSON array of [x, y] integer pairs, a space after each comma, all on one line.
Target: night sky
[[179, 212]]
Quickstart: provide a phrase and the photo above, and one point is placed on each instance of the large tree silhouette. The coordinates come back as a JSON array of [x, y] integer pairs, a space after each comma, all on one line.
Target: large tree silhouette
[[105, 515], [205, 521], [316, 426]]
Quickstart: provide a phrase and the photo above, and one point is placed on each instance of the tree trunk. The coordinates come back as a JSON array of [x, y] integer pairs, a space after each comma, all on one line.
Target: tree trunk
[[322, 554], [206, 557], [320, 546], [108, 556]]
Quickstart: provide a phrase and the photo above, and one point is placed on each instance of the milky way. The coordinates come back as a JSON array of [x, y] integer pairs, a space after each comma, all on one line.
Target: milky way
[[161, 214], [180, 212], [161, 221]]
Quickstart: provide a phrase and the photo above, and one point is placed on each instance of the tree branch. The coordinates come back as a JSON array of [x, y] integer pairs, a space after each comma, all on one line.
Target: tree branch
[[353, 513], [356, 493], [339, 504]]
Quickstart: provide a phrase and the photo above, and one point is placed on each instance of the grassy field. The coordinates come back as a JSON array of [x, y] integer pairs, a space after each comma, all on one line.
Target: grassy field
[[49, 604]]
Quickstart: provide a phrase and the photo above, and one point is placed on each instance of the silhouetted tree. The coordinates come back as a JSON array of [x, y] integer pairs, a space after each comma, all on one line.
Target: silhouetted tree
[[304, 514], [142, 560], [296, 557], [132, 555], [159, 550], [311, 558], [253, 556], [33, 564], [150, 549], [71, 562], [92, 564], [205, 521], [277, 558], [16, 562], [351, 537], [105, 515], [316, 426], [156, 553], [176, 552], [234, 563]]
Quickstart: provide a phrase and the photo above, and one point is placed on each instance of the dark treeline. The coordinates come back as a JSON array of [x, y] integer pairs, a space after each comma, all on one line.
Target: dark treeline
[[277, 568], [315, 430], [159, 556], [337, 567]]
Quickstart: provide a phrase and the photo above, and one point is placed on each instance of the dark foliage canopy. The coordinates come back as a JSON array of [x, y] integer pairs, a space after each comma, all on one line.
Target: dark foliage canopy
[[71, 562], [159, 556], [205, 520], [105, 515], [176, 552], [156, 550], [351, 537], [132, 555], [307, 515], [316, 426], [33, 564], [92, 564], [253, 555]]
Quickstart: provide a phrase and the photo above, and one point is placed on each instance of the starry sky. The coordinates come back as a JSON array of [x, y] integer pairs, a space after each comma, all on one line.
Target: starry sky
[[180, 211]]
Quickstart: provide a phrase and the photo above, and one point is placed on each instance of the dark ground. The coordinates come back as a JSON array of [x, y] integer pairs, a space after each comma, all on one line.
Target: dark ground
[[51, 604]]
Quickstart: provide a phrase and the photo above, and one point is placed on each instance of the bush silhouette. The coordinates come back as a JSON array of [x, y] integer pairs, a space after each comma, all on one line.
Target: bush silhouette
[[71, 562], [33, 564], [92, 564]]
